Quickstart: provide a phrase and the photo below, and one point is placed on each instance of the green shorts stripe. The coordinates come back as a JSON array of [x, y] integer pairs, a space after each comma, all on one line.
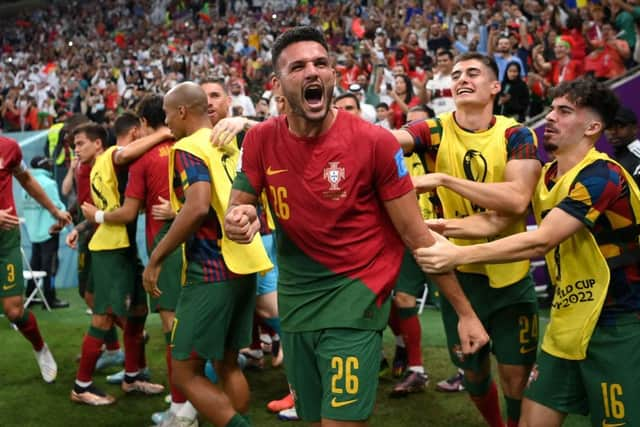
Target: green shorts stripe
[[333, 373], [411, 279], [605, 385], [212, 318], [117, 279], [11, 279], [169, 281], [510, 316]]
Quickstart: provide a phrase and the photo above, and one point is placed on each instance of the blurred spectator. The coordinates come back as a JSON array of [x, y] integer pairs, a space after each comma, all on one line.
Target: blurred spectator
[[622, 135], [438, 91], [382, 115], [403, 99], [101, 58], [513, 100], [240, 100], [348, 102], [38, 222], [502, 53], [607, 60], [367, 111]]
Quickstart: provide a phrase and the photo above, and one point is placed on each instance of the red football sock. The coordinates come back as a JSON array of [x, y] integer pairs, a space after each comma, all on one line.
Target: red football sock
[[142, 361], [91, 350], [489, 406], [28, 326], [412, 334], [133, 344], [255, 335], [176, 395], [111, 341]]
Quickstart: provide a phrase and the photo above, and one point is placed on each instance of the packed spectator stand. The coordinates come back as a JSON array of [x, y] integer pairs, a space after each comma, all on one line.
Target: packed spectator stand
[[99, 58]]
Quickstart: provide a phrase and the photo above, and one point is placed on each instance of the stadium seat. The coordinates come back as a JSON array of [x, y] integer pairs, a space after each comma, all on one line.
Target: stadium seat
[[37, 295]]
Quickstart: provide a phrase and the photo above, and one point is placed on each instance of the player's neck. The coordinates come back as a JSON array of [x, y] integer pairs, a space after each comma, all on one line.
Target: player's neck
[[301, 127], [475, 118], [195, 125], [571, 157]]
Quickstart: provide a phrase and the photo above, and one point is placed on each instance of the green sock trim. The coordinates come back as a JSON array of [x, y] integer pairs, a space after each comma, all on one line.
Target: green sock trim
[[237, 421], [22, 320], [477, 389], [274, 323], [111, 335], [513, 408], [97, 333], [405, 313], [167, 338], [246, 418]]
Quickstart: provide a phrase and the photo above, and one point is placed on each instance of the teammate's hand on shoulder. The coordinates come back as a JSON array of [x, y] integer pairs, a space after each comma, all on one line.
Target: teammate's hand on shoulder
[[226, 129]]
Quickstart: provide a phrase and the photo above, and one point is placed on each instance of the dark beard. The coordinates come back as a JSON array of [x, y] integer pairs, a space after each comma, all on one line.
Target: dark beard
[[550, 147]]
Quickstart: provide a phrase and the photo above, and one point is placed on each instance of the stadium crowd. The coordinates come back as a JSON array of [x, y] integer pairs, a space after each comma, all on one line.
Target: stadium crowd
[[205, 79], [111, 53]]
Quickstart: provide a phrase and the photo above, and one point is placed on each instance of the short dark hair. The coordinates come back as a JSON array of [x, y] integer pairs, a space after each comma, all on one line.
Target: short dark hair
[[485, 59], [217, 81], [442, 52], [423, 108], [295, 35], [346, 95], [592, 94], [382, 105], [125, 122], [93, 131], [150, 109]]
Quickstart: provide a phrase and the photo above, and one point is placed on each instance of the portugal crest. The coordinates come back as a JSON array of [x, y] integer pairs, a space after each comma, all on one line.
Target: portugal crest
[[334, 174]]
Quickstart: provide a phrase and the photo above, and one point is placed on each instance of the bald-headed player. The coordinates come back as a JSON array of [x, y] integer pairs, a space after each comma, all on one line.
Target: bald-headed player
[[215, 308]]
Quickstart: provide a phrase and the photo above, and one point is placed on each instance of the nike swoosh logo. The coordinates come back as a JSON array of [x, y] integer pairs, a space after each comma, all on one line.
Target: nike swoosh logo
[[606, 424], [275, 171], [525, 350], [7, 287], [336, 404]]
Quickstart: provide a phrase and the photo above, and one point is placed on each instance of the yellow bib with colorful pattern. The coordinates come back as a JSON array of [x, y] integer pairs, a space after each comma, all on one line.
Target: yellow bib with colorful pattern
[[577, 268], [480, 157], [106, 197], [221, 162], [416, 168]]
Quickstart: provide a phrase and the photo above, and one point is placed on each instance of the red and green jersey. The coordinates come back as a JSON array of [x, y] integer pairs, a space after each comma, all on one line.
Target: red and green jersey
[[338, 253], [149, 180], [10, 162]]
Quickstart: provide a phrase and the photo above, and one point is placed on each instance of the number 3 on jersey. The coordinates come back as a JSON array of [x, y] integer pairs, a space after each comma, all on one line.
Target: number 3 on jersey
[[280, 205]]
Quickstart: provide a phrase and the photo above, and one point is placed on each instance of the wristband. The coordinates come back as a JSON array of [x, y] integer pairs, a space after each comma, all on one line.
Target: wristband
[[99, 217]]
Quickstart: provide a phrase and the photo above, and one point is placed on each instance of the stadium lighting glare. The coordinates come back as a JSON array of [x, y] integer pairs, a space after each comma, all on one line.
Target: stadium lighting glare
[[70, 44]]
